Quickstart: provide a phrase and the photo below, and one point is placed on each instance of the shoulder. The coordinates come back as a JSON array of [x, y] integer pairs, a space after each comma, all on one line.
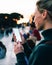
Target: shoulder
[[41, 48]]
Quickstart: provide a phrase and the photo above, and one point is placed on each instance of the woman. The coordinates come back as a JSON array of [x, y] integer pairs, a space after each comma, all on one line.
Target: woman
[[42, 54]]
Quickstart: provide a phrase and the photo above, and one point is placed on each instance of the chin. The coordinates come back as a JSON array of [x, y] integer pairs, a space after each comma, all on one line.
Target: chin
[[37, 28]]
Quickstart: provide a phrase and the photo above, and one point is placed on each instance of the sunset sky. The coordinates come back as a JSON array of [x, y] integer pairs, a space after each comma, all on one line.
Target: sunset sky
[[25, 7]]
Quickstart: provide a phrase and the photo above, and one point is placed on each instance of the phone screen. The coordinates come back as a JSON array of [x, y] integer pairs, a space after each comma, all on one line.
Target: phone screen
[[17, 34]]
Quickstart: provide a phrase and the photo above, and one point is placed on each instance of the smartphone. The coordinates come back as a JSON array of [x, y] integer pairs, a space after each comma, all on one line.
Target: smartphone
[[17, 34]]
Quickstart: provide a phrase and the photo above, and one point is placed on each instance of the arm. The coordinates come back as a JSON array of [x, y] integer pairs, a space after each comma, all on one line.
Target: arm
[[21, 60], [20, 55], [27, 50], [39, 56]]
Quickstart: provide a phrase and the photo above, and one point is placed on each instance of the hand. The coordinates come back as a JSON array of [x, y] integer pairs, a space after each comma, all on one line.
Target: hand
[[18, 48], [23, 39]]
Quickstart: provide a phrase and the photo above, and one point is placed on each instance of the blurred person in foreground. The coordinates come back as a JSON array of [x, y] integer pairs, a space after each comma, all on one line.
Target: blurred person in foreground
[[42, 54], [3, 50], [33, 31], [34, 34]]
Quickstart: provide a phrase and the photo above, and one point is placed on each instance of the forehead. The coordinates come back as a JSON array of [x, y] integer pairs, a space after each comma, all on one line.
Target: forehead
[[36, 11]]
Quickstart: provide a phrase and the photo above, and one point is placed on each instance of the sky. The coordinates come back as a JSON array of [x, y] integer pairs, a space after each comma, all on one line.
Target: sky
[[24, 7]]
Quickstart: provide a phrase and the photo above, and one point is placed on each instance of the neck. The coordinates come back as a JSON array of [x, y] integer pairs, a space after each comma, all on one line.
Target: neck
[[48, 25]]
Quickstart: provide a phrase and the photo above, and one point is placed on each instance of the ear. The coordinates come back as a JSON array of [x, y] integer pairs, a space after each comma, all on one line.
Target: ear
[[44, 14]]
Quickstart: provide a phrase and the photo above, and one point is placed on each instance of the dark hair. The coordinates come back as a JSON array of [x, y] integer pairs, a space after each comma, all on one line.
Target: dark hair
[[45, 5]]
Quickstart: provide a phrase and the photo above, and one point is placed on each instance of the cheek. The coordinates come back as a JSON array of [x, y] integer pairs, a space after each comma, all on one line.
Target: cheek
[[38, 21]]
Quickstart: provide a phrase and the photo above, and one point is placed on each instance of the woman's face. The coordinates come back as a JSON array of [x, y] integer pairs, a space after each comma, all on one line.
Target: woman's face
[[38, 19]]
